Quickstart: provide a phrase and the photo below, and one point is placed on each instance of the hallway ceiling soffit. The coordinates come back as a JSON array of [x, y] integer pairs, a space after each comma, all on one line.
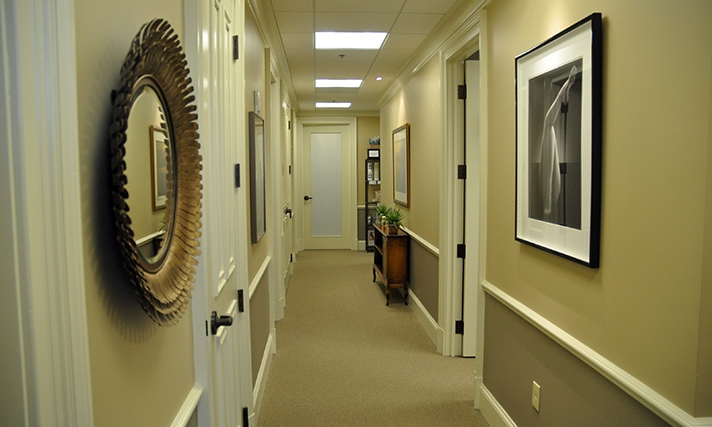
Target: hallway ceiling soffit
[[407, 22]]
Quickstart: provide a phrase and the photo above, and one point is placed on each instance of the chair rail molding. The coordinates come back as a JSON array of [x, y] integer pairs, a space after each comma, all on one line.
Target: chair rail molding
[[648, 397]]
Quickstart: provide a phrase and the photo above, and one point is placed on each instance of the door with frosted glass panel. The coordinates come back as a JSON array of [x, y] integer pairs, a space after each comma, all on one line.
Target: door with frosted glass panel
[[327, 215]]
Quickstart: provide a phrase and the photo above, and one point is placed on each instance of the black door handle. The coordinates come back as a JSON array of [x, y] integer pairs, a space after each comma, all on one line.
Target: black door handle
[[307, 198], [218, 321]]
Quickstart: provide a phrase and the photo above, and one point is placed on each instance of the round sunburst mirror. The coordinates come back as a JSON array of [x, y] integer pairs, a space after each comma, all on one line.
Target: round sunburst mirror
[[155, 167]]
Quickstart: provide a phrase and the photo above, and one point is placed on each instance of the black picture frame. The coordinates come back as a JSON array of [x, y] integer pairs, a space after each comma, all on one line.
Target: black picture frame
[[257, 176], [559, 109]]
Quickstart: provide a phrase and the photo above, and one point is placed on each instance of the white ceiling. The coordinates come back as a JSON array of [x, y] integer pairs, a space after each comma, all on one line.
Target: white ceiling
[[407, 23]]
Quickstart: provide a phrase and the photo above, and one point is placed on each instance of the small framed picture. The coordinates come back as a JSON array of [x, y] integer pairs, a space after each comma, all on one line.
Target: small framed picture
[[374, 153], [160, 150]]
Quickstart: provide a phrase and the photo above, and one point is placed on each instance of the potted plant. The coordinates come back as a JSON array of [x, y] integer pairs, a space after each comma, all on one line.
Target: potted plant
[[381, 211], [393, 220]]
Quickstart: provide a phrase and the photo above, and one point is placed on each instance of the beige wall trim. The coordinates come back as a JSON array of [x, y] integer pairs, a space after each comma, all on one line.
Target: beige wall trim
[[648, 397], [493, 412], [188, 408], [434, 331], [258, 393], [422, 242], [258, 277]]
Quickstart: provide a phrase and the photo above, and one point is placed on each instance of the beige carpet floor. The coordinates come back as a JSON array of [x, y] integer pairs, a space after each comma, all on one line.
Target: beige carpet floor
[[345, 359]]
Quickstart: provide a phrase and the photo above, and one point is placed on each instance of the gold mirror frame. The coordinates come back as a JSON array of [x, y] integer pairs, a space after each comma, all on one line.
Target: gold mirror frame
[[163, 288]]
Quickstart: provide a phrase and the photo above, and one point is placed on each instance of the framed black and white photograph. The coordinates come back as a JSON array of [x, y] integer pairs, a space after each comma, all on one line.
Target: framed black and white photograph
[[559, 125], [401, 165], [257, 176]]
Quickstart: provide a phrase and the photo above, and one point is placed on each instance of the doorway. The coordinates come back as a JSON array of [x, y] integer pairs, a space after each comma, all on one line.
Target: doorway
[[463, 245], [327, 193]]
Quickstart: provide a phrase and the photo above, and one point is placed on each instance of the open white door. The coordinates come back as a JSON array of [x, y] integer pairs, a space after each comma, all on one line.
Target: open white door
[[472, 209], [221, 327]]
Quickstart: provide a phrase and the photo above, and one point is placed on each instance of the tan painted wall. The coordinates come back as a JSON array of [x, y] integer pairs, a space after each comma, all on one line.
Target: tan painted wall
[[141, 373], [642, 308], [572, 393], [417, 103], [254, 57], [260, 326]]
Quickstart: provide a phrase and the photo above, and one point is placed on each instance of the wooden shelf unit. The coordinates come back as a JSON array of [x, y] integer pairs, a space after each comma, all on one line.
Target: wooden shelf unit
[[390, 261], [373, 186]]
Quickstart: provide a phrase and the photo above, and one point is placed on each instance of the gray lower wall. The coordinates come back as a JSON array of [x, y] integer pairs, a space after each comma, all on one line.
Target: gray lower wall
[[259, 324], [423, 276], [572, 393]]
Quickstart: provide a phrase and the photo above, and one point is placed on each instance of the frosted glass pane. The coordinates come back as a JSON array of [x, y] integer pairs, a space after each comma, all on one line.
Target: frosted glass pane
[[326, 184]]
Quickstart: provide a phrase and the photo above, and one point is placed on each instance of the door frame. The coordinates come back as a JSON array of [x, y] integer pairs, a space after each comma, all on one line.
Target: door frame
[[466, 41], [46, 256], [305, 122]]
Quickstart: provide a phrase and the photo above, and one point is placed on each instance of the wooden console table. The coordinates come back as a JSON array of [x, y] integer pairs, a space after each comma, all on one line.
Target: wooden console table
[[390, 261]]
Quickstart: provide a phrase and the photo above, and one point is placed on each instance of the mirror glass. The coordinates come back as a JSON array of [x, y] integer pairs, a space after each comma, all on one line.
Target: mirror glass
[[156, 187], [149, 158]]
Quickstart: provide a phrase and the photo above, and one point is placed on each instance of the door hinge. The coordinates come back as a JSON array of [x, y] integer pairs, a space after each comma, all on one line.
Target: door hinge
[[235, 48], [459, 327], [289, 124], [245, 417], [291, 257], [461, 171], [461, 91], [237, 175], [461, 250], [240, 301]]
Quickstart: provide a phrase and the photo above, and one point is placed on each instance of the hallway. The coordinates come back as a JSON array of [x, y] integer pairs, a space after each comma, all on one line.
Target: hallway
[[345, 359]]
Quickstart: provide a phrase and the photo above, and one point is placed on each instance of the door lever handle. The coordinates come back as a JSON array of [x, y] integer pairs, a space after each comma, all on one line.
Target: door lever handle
[[218, 321], [307, 198]]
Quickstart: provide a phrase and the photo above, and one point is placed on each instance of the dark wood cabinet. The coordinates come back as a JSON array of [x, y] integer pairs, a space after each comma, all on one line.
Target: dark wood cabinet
[[390, 261]]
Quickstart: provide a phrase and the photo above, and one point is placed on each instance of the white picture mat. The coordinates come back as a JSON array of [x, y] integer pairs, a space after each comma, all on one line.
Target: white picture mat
[[568, 241]]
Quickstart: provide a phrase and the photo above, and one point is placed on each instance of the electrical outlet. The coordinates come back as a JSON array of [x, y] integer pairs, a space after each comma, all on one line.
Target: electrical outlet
[[536, 395]]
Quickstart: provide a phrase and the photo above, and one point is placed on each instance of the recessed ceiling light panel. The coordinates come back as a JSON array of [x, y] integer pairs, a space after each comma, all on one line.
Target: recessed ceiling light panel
[[338, 83], [333, 105], [346, 40]]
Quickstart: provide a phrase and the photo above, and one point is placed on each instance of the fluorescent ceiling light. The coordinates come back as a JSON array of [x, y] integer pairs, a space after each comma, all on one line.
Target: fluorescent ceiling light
[[340, 40], [338, 83], [333, 105]]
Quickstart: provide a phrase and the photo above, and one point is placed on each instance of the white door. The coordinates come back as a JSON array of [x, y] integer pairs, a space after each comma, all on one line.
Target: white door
[[288, 203], [472, 209], [327, 182], [222, 354]]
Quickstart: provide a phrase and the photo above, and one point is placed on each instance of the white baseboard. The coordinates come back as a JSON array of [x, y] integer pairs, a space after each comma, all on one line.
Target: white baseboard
[[188, 408], [258, 392], [493, 412], [434, 331]]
